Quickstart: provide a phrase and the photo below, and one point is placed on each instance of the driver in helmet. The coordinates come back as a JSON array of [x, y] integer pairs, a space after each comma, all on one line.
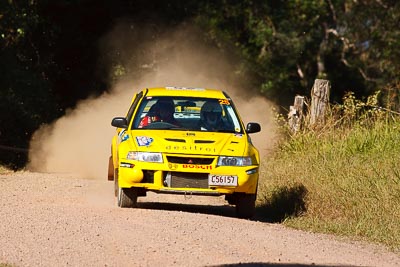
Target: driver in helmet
[[151, 116], [211, 117], [162, 111], [166, 112]]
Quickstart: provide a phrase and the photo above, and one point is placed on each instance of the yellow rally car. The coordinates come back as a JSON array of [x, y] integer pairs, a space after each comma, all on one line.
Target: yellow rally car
[[190, 141]]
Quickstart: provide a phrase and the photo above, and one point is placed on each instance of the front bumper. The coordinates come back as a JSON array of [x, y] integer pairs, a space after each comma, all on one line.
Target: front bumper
[[176, 178]]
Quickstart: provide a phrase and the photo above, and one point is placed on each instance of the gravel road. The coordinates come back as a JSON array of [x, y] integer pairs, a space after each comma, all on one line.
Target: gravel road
[[62, 220]]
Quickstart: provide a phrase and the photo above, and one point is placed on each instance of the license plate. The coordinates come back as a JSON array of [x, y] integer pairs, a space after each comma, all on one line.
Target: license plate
[[228, 180]]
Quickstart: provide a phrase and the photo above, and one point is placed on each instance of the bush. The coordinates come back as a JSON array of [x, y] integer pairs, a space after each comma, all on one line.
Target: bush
[[347, 169]]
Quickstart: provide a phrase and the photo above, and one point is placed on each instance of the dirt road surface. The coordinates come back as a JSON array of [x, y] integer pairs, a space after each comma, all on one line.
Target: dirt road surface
[[61, 220]]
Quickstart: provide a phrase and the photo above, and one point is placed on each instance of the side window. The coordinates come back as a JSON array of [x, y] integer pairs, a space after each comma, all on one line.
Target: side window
[[233, 119], [133, 106]]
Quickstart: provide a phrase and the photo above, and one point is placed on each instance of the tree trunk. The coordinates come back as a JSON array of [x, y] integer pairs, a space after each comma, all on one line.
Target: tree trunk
[[296, 114], [319, 101]]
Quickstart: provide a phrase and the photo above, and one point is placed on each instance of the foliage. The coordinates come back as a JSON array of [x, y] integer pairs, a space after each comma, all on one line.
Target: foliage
[[288, 44], [26, 98], [49, 50], [49, 60], [349, 170]]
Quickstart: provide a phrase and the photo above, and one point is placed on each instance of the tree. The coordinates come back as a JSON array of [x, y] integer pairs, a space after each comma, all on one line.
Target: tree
[[287, 44], [26, 98]]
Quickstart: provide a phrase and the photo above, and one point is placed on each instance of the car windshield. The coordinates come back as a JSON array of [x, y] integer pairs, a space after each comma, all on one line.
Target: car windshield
[[187, 113]]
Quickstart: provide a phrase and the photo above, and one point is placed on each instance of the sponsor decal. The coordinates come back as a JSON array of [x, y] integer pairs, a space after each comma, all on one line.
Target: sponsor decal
[[123, 136], [224, 101], [192, 166], [172, 166], [195, 148], [144, 140], [184, 88]]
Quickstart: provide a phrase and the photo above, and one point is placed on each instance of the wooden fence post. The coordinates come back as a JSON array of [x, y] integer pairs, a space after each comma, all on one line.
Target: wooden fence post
[[296, 114], [319, 101]]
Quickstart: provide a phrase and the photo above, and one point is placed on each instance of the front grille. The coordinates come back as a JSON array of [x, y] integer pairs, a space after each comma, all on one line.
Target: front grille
[[190, 160], [186, 180]]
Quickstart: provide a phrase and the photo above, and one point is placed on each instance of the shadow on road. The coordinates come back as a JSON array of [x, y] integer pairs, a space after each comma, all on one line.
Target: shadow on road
[[283, 203], [227, 211]]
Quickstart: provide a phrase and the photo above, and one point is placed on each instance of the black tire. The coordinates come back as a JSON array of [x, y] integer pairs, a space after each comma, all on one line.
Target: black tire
[[245, 206], [127, 197], [231, 199]]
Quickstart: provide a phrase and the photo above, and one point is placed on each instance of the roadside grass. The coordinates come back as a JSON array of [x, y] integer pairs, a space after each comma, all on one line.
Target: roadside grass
[[343, 178]]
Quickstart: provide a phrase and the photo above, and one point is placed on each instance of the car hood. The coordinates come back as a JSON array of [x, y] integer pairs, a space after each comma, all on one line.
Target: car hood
[[183, 142]]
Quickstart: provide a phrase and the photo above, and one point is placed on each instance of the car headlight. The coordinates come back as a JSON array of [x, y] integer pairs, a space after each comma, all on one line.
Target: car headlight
[[234, 161], [145, 156]]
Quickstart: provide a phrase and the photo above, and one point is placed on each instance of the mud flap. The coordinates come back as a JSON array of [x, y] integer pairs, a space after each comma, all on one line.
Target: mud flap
[[110, 169]]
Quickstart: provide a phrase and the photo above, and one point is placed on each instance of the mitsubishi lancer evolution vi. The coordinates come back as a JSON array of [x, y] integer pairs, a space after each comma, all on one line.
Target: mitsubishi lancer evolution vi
[[189, 141]]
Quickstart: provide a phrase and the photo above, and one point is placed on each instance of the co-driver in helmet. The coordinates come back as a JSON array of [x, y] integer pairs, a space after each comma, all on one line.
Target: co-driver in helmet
[[211, 117]]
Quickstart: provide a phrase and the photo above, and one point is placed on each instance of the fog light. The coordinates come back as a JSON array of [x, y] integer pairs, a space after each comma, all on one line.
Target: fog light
[[252, 171], [126, 165]]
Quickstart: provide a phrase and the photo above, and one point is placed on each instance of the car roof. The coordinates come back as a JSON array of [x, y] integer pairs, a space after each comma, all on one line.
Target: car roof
[[185, 91]]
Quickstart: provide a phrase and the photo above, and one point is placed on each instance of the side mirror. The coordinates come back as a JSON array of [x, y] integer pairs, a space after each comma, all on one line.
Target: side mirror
[[253, 127], [119, 122]]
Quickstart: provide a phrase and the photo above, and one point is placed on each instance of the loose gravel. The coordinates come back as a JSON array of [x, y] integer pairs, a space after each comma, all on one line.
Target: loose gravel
[[61, 220]]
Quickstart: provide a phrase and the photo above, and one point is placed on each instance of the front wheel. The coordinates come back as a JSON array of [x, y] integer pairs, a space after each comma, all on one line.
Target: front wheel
[[127, 197], [245, 205]]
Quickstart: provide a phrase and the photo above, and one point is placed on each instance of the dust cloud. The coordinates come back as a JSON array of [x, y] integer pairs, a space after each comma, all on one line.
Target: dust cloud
[[79, 142]]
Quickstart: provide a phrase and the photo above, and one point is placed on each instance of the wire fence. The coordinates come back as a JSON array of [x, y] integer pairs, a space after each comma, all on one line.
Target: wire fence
[[14, 149]]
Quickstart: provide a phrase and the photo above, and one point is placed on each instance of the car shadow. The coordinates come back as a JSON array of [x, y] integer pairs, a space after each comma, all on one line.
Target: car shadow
[[283, 203], [223, 210]]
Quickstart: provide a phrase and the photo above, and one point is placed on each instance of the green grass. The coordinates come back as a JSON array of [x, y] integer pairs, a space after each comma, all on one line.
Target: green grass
[[342, 179]]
